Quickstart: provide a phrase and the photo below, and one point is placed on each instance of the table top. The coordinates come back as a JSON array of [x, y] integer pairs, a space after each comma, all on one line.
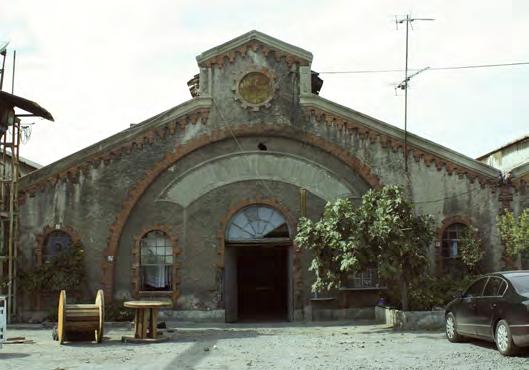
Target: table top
[[147, 304]]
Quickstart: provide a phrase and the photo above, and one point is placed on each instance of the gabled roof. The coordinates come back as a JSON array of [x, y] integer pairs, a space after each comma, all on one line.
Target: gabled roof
[[377, 128], [229, 48], [512, 143], [520, 172], [122, 140]]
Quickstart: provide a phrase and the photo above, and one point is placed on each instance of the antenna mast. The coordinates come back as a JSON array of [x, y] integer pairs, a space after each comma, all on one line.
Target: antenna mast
[[404, 84]]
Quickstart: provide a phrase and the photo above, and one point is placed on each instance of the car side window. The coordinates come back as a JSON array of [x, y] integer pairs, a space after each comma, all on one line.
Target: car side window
[[476, 289], [493, 287], [502, 288]]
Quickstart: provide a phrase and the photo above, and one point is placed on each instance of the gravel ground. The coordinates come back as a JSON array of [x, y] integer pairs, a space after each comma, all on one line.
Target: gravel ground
[[274, 346]]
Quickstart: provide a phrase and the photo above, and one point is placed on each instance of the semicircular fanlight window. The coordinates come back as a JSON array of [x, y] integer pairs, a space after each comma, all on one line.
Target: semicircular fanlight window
[[257, 222]]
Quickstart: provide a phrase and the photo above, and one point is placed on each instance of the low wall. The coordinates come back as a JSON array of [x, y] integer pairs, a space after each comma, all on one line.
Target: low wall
[[410, 320], [193, 315], [313, 313]]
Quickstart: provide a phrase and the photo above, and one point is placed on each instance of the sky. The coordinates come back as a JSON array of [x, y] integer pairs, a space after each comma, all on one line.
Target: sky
[[99, 66]]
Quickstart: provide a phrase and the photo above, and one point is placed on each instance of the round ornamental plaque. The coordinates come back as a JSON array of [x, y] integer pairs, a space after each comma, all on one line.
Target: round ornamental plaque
[[256, 88]]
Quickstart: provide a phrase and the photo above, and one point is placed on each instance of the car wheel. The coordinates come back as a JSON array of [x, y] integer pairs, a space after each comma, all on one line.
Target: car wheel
[[451, 329], [503, 339]]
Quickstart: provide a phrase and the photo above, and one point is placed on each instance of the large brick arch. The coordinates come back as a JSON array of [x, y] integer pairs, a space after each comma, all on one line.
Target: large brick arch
[[134, 195]]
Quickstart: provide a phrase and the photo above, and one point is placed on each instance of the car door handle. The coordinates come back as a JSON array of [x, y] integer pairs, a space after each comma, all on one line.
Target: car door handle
[[493, 306]]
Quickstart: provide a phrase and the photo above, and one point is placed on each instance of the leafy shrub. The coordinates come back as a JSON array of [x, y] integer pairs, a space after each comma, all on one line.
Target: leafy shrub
[[65, 271], [430, 292]]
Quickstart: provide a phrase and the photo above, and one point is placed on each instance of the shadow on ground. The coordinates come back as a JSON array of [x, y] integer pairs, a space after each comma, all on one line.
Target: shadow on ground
[[7, 356]]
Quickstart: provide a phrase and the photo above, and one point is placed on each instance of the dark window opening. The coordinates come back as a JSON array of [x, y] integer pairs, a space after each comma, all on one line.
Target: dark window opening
[[56, 242], [261, 146]]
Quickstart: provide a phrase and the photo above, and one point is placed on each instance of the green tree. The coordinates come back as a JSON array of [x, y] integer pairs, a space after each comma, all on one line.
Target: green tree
[[384, 231], [514, 232], [470, 249]]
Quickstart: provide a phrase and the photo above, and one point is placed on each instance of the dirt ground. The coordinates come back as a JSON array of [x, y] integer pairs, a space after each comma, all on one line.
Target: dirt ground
[[275, 346]]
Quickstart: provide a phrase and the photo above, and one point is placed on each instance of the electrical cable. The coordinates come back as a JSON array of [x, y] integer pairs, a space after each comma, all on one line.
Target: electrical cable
[[429, 69]]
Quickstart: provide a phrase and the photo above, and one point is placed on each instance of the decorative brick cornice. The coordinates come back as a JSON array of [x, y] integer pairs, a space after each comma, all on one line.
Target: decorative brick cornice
[[135, 144], [201, 141], [230, 56], [258, 42], [396, 144]]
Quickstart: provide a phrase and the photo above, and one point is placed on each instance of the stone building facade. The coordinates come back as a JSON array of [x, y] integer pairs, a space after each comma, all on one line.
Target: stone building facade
[[199, 204]]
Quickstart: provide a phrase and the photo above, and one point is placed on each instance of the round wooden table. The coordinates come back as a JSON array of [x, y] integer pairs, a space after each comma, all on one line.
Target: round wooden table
[[145, 319]]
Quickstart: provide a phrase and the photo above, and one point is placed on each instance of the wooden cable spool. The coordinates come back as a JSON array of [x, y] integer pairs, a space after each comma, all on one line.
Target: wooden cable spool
[[81, 318]]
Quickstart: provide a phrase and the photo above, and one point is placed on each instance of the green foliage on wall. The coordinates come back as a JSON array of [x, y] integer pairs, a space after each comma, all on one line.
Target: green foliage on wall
[[384, 232], [514, 232], [65, 271], [470, 249]]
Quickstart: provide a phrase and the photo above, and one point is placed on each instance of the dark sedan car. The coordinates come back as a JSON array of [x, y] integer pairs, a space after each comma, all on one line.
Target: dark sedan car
[[496, 308]]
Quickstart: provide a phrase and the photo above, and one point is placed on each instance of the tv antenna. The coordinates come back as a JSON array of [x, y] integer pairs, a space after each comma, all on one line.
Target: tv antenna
[[404, 84]]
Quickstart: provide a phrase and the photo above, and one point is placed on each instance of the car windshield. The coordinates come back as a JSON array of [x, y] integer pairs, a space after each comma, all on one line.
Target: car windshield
[[520, 283]]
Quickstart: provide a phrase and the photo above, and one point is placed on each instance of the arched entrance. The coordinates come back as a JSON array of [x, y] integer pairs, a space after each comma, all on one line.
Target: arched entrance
[[257, 275]]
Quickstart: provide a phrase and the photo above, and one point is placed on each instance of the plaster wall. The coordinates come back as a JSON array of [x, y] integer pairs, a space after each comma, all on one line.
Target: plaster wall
[[91, 201]]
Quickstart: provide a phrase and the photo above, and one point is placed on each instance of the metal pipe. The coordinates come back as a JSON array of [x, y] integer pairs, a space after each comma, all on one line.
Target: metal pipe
[[406, 99], [3, 69], [13, 78]]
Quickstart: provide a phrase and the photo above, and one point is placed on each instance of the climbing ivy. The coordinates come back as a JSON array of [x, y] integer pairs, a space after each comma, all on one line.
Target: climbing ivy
[[63, 271]]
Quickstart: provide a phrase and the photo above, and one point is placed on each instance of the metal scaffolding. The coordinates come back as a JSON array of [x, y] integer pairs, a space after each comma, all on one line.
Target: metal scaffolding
[[10, 138], [9, 175]]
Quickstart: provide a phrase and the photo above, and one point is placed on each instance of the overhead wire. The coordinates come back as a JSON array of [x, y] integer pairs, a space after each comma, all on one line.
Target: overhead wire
[[472, 66]]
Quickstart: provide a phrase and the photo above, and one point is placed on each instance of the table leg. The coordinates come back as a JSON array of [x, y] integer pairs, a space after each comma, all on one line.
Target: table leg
[[143, 324], [137, 323], [154, 323]]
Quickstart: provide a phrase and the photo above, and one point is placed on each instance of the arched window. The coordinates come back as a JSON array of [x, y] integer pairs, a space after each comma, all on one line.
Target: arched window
[[56, 242], [156, 262], [450, 240], [257, 222]]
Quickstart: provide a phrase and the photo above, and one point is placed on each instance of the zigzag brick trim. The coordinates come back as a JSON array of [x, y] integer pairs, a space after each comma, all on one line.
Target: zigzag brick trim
[[395, 144], [72, 174], [231, 55]]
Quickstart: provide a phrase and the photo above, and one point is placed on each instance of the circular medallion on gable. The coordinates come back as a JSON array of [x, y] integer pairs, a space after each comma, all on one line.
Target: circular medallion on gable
[[255, 89]]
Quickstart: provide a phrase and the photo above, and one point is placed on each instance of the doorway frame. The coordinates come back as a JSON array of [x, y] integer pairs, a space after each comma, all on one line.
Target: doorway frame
[[228, 265]]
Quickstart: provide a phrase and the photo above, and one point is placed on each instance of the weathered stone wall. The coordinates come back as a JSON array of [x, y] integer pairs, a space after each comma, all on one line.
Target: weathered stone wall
[[190, 175]]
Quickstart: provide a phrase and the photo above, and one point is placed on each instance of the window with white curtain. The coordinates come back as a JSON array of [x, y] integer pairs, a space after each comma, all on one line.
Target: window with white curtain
[[156, 262]]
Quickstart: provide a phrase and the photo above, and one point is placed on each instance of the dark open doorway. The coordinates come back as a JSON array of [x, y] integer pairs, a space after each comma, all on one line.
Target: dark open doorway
[[257, 266], [262, 283]]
